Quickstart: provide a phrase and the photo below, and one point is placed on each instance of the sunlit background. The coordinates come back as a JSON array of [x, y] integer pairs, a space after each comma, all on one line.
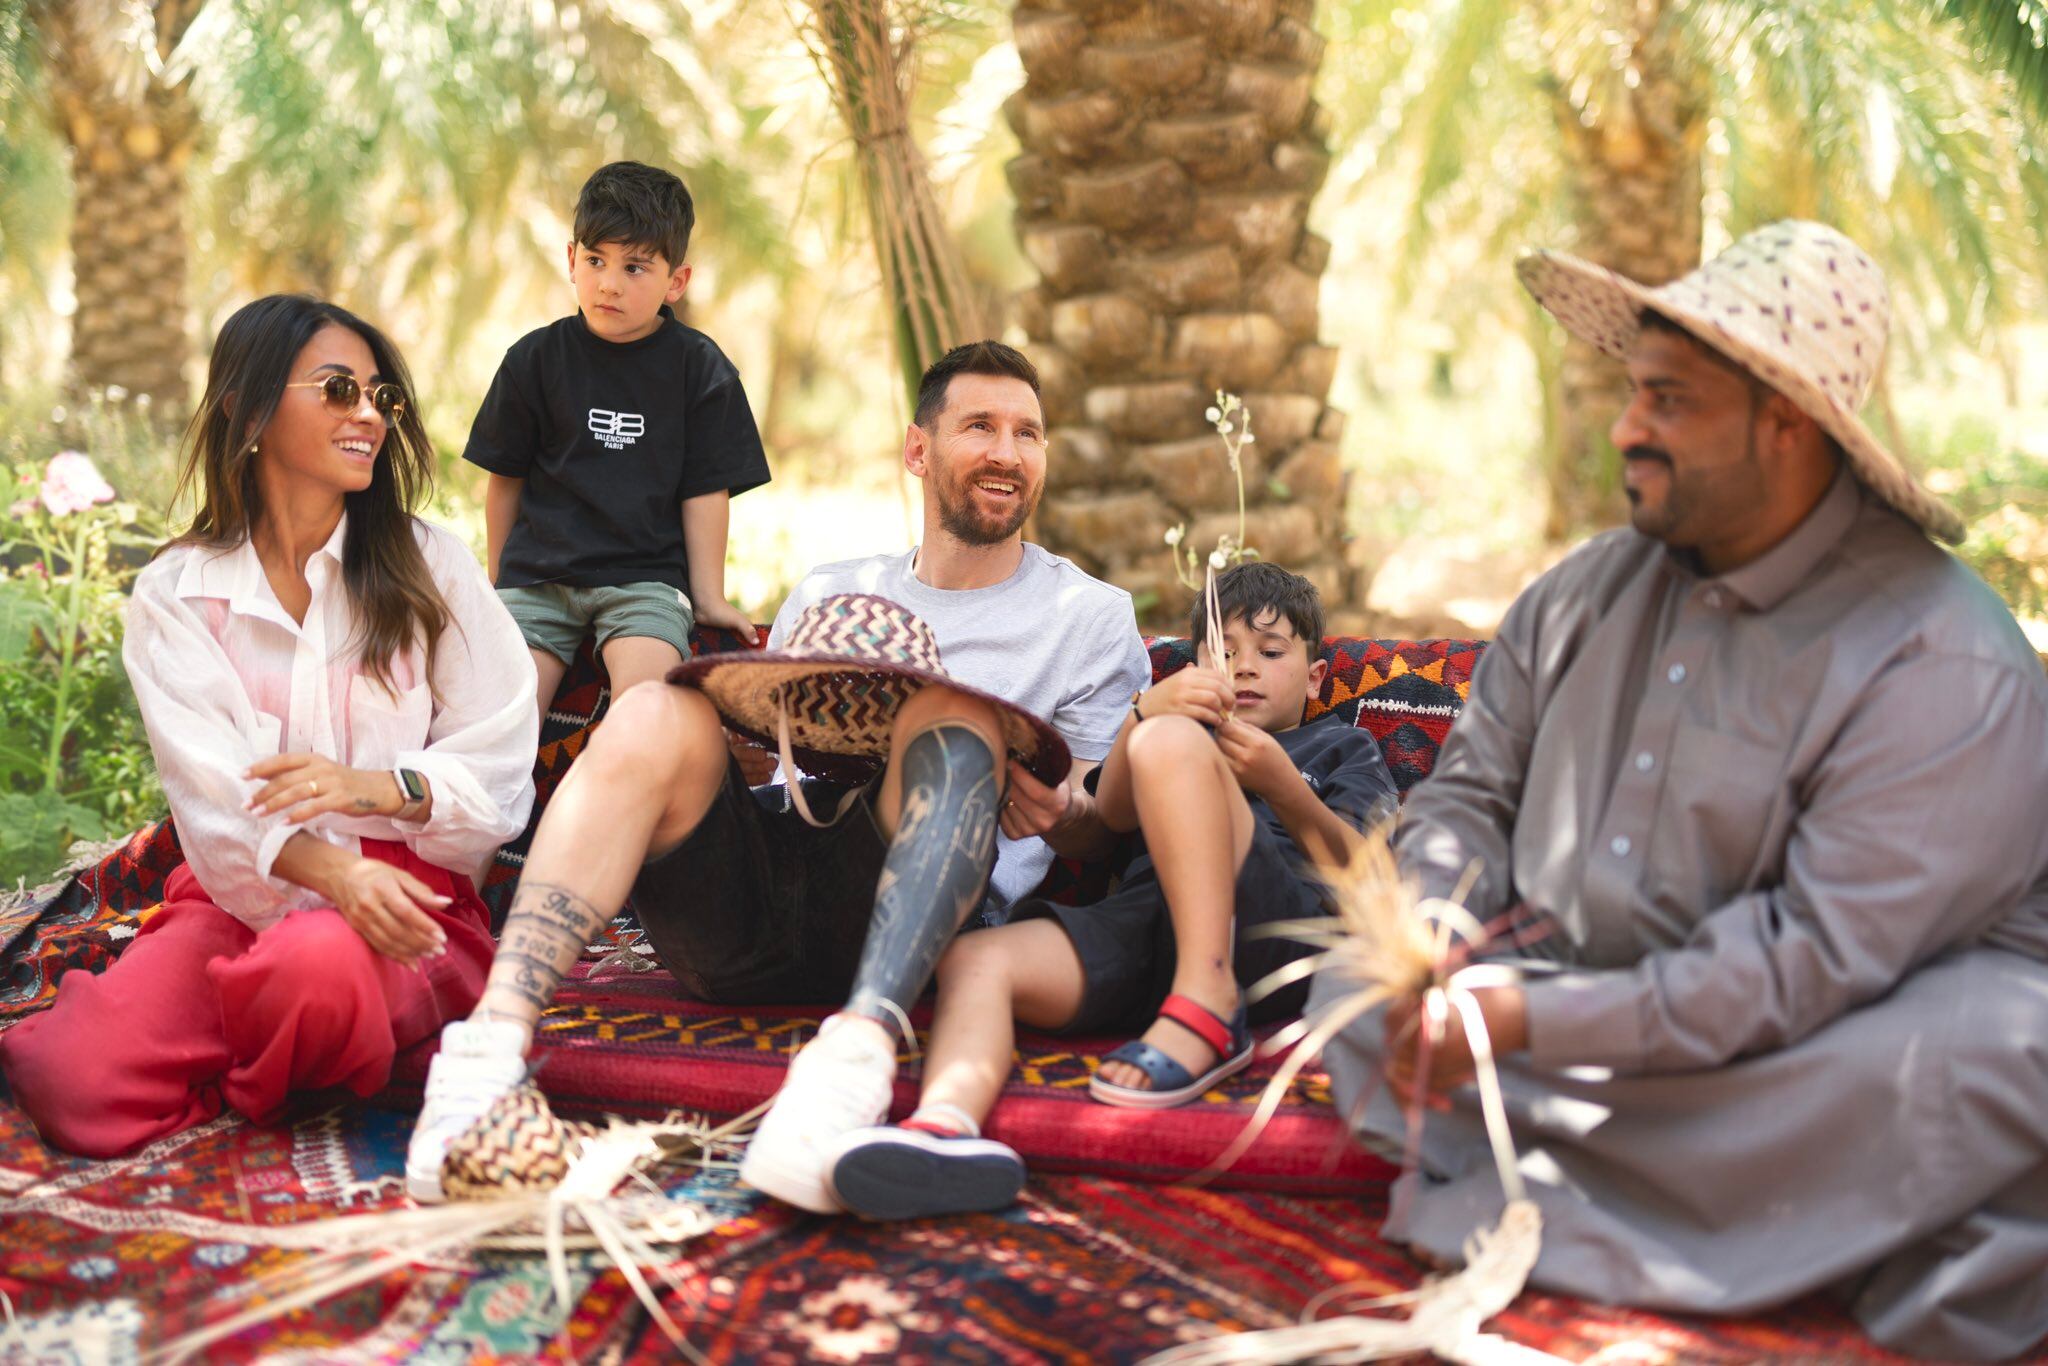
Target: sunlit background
[[417, 160]]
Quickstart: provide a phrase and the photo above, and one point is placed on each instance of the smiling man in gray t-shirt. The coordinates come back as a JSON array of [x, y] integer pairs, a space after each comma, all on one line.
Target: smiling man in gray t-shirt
[[1048, 637], [747, 903]]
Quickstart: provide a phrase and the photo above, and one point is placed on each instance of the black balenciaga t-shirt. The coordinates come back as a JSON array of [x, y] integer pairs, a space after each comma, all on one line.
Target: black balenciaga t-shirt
[[610, 438]]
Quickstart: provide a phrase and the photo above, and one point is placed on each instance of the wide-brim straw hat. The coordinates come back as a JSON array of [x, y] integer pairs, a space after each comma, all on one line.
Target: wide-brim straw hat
[[849, 663], [1796, 304]]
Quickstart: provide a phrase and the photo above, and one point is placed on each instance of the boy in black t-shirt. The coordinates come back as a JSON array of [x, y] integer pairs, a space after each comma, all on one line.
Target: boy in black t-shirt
[[1233, 794], [616, 439]]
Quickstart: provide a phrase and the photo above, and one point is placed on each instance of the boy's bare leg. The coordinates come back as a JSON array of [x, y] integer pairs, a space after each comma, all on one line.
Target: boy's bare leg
[[988, 982], [938, 804], [632, 660], [550, 671], [1198, 829], [937, 1161], [639, 787]]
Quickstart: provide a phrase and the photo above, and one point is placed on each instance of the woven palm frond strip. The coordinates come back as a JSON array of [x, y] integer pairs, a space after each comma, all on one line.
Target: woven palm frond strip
[[524, 1181]]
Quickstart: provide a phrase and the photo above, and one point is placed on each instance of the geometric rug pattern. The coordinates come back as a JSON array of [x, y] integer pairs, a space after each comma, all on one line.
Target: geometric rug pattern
[[102, 1260]]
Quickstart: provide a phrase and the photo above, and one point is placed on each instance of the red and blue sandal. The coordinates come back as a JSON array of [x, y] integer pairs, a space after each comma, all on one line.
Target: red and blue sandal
[[1173, 1084]]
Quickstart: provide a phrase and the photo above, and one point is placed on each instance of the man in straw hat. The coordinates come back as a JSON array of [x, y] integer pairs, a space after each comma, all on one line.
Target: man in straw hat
[[1766, 774], [967, 670]]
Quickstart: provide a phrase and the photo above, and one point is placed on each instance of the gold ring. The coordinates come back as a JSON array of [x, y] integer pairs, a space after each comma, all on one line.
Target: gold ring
[[314, 783]]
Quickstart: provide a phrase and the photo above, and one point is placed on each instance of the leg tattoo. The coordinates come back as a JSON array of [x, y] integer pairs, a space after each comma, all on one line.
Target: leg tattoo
[[937, 866], [546, 930]]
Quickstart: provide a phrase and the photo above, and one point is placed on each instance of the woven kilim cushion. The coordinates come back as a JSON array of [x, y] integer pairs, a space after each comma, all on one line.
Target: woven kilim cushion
[[1406, 692]]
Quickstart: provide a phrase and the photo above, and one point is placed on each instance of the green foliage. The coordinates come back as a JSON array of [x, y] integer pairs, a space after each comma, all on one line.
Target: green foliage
[[1879, 116], [398, 156], [2013, 34], [2004, 494], [74, 759]]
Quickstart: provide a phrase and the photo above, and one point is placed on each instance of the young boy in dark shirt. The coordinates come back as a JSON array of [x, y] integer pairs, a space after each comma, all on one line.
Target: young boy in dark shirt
[[1234, 797], [615, 440]]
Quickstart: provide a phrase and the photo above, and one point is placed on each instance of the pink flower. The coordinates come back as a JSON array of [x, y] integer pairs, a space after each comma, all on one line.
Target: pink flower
[[71, 483], [19, 511]]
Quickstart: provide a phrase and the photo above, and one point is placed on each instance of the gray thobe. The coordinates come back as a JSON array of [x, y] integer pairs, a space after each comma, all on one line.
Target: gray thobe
[[1785, 832]]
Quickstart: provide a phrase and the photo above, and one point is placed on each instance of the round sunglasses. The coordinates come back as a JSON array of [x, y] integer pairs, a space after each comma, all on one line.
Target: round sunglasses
[[342, 393]]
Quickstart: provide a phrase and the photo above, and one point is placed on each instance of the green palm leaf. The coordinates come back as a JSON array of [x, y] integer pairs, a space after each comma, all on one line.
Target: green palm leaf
[[2014, 35]]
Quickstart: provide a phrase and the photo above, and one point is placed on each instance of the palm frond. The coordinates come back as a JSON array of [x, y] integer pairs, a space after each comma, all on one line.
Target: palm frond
[[2013, 35]]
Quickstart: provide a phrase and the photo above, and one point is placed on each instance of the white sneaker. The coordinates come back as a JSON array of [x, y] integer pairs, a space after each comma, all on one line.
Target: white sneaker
[[479, 1061], [837, 1083]]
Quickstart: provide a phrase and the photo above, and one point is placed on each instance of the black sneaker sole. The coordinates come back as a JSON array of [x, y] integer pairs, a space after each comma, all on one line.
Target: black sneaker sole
[[906, 1174]]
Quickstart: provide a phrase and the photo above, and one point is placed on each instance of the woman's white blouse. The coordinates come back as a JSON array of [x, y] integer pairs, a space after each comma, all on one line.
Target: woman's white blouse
[[225, 677]]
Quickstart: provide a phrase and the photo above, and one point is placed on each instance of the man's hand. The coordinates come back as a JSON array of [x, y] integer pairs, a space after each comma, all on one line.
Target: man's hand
[[713, 610], [1505, 1010], [1260, 766], [387, 907], [311, 784], [1200, 694], [1032, 808]]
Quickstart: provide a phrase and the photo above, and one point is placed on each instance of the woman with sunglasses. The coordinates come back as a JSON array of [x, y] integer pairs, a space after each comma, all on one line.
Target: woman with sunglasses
[[343, 719]]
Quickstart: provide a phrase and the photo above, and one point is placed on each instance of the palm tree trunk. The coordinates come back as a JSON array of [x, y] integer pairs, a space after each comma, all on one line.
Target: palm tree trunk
[[131, 133], [1632, 146], [1171, 148]]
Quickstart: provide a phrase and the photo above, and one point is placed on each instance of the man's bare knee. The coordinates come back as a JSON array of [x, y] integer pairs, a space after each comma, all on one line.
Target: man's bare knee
[[654, 735]]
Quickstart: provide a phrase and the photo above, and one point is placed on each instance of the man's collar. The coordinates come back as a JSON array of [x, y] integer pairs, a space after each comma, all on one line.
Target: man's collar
[[1768, 579]]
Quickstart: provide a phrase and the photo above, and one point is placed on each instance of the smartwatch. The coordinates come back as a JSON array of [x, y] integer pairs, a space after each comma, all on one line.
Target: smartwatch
[[412, 786]]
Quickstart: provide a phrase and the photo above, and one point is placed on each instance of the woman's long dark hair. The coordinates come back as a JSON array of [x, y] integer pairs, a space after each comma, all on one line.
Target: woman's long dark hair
[[382, 566]]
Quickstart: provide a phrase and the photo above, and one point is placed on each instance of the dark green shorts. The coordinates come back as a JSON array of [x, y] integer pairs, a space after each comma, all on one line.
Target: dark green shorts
[[556, 618]]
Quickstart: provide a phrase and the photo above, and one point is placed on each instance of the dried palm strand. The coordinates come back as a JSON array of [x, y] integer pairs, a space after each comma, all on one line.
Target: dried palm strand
[[522, 1181], [1212, 627], [1397, 946]]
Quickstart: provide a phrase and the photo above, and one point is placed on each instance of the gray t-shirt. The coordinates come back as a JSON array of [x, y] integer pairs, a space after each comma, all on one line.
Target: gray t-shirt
[[1049, 638]]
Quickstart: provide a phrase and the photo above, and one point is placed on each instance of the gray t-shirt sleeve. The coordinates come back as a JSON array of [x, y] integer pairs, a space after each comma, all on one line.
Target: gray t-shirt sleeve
[[1112, 664], [803, 595]]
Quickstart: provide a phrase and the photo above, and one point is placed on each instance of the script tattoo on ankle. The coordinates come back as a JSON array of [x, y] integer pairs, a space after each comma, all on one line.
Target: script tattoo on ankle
[[937, 866], [546, 930]]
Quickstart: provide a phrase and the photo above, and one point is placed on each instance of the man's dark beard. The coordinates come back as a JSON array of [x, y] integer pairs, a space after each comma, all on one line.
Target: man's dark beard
[[958, 520], [1645, 453]]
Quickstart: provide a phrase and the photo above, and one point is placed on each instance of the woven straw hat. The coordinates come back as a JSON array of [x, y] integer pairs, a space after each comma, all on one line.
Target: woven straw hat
[[1796, 304], [850, 661]]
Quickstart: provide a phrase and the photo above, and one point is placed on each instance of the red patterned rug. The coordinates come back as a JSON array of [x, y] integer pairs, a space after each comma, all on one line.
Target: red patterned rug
[[626, 1042], [102, 1261]]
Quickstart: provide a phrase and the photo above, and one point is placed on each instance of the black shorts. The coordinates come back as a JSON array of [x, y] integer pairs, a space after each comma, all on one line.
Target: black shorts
[[1125, 941], [757, 907]]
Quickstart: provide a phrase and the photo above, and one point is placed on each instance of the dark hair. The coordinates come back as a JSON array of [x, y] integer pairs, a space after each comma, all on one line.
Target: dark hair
[[639, 206], [1254, 589], [975, 358], [1650, 320], [382, 566]]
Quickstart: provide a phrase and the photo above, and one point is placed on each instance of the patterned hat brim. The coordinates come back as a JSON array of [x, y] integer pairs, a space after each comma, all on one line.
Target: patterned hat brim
[[1602, 308], [853, 715]]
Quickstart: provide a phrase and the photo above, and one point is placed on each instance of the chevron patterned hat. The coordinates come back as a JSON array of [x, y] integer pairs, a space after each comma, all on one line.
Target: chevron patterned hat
[[849, 662], [1796, 304]]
